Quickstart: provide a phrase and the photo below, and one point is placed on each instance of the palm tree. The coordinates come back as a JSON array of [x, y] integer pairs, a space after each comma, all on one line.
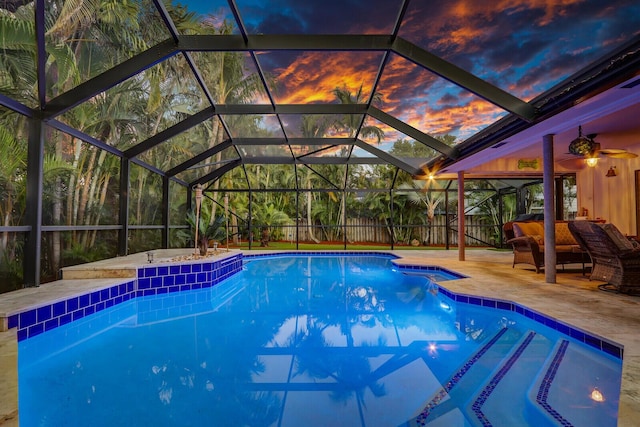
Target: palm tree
[[13, 155], [267, 216], [421, 193], [312, 127], [351, 123]]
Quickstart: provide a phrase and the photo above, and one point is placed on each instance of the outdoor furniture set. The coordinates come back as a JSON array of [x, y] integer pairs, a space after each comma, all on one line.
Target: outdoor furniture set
[[615, 257]]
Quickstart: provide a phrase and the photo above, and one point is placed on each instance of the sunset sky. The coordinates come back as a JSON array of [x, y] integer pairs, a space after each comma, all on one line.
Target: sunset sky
[[522, 47]]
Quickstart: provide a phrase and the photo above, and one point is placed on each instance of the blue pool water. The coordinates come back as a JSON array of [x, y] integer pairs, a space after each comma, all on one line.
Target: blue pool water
[[313, 341]]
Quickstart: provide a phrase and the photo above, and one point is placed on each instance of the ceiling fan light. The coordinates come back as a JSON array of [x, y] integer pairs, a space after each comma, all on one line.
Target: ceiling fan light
[[591, 161], [582, 145]]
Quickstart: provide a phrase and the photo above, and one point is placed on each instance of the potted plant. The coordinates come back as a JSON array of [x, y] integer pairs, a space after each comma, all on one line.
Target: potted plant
[[208, 230]]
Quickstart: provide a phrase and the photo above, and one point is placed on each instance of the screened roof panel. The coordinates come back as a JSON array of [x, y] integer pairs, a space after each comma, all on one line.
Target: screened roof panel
[[209, 165], [325, 177], [271, 176], [235, 179], [265, 150], [215, 13], [312, 77], [394, 143], [140, 107], [307, 17], [184, 146], [524, 47], [18, 73], [231, 77], [142, 75], [253, 125], [303, 152], [432, 104], [82, 45], [363, 177], [319, 125]]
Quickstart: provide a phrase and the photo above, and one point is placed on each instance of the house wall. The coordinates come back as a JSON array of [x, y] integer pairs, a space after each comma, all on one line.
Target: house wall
[[614, 198]]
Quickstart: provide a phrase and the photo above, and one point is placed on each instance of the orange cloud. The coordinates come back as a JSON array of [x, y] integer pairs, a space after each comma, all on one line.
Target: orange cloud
[[313, 76]]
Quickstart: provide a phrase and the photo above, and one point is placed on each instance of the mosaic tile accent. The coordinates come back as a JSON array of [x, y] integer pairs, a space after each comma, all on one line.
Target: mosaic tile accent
[[151, 280], [442, 394], [493, 383], [543, 391]]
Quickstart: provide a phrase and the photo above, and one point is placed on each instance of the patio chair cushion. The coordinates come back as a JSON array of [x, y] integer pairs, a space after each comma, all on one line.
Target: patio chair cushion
[[563, 235], [620, 240], [529, 229]]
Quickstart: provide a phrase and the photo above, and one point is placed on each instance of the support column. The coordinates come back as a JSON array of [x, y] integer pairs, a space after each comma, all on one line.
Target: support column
[[461, 216], [123, 237], [165, 212], [33, 209], [548, 175]]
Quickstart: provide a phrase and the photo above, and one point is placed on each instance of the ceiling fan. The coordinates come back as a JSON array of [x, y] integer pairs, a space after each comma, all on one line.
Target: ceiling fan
[[587, 147]]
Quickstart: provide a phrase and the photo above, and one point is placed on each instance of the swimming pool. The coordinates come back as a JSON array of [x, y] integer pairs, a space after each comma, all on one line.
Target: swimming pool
[[316, 340]]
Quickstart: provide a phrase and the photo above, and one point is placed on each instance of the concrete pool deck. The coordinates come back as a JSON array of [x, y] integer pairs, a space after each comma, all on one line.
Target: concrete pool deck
[[573, 299]]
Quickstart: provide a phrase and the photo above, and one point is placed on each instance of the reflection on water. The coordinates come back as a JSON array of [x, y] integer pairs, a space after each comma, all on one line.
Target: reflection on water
[[289, 341]]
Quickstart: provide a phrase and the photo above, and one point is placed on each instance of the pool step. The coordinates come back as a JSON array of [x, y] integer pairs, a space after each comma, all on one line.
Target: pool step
[[499, 374], [469, 376], [510, 383], [563, 396]]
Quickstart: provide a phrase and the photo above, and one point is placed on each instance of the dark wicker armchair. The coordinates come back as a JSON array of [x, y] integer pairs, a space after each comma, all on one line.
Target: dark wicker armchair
[[616, 259]]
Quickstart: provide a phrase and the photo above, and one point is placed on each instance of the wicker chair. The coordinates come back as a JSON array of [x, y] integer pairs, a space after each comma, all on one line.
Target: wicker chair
[[616, 259]]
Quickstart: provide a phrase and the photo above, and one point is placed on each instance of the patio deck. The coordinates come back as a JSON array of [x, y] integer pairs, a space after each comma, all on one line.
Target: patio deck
[[573, 299]]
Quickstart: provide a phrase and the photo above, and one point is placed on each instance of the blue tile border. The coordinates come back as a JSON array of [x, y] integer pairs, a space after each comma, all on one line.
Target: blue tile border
[[426, 269], [150, 280], [609, 347]]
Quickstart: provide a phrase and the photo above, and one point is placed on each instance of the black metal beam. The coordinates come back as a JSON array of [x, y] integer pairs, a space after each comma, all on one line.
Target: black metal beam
[[168, 22], [224, 109], [216, 173], [465, 79], [41, 55], [16, 106], [123, 216], [414, 133], [170, 132], [33, 207], [165, 212], [110, 78], [199, 158], [271, 42], [281, 160], [293, 141], [388, 158], [62, 127]]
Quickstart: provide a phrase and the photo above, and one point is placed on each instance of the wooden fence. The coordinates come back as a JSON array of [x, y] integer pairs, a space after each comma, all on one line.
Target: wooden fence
[[479, 232]]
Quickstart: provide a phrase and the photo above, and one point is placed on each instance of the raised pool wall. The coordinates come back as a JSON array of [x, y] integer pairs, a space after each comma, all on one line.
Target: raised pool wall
[[152, 279]]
